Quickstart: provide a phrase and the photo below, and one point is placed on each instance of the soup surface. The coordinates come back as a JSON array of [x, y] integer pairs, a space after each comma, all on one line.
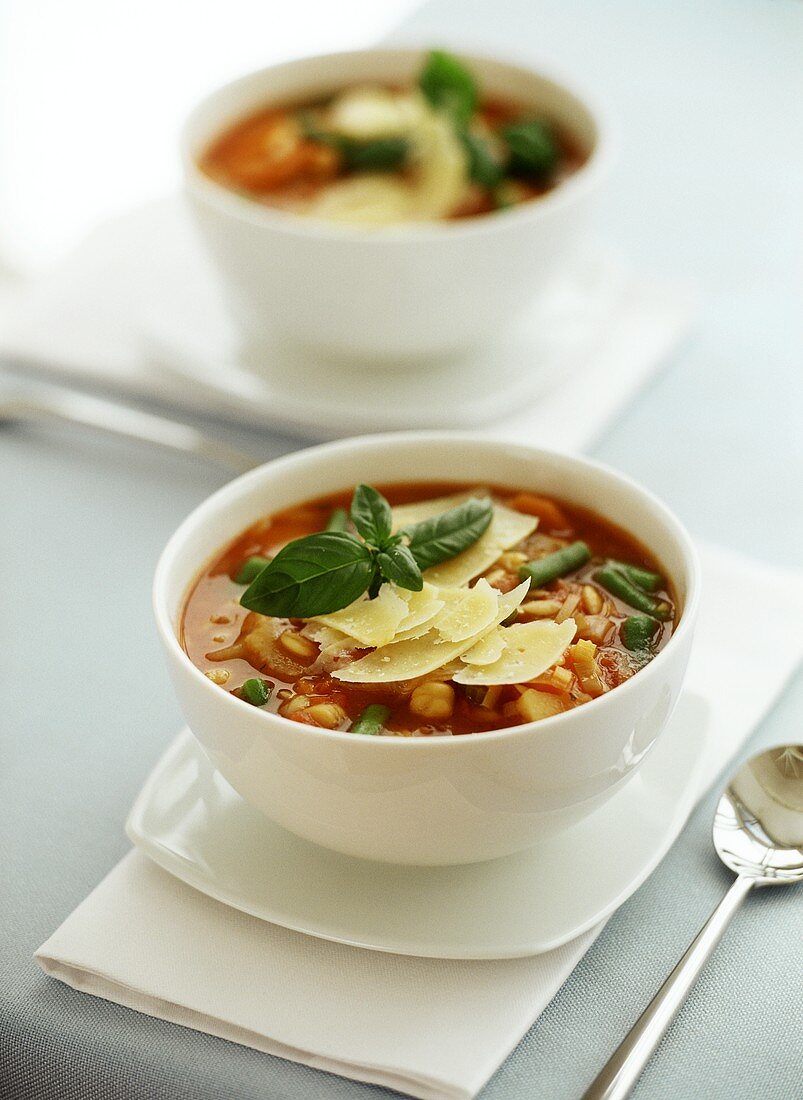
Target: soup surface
[[376, 155], [427, 610]]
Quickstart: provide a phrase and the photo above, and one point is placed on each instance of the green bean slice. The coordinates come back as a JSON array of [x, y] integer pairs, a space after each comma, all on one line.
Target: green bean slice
[[250, 569], [372, 720], [558, 564], [638, 632], [618, 585], [338, 521], [641, 578], [256, 692]]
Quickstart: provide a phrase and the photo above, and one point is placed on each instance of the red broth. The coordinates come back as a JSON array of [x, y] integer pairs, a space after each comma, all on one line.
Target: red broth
[[232, 645], [289, 156]]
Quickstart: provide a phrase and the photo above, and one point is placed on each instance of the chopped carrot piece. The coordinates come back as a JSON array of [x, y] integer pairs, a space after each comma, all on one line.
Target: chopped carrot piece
[[551, 516]]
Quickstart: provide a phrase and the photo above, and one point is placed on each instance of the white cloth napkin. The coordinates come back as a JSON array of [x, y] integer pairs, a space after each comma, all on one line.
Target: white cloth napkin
[[431, 1028], [136, 308]]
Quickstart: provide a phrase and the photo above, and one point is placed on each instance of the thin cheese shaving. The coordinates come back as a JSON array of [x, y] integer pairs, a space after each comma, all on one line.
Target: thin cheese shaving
[[371, 622], [421, 607], [407, 660], [486, 650], [506, 528], [529, 650], [466, 611]]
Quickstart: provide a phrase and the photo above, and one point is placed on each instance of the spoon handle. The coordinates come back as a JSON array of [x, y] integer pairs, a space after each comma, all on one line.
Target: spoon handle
[[626, 1064], [116, 419]]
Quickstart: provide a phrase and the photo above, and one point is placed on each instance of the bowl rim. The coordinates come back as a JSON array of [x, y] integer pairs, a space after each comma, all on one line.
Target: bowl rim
[[247, 210], [322, 452]]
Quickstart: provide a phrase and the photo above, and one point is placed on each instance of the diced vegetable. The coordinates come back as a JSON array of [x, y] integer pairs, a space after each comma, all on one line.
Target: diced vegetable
[[372, 720], [250, 569], [338, 521], [256, 692], [551, 516], [618, 585], [637, 632], [534, 705], [558, 564], [583, 656]]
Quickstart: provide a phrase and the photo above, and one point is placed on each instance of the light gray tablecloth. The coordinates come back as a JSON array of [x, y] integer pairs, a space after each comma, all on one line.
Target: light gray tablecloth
[[710, 183]]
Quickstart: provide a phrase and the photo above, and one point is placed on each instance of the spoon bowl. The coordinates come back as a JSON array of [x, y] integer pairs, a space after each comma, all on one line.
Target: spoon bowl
[[758, 826]]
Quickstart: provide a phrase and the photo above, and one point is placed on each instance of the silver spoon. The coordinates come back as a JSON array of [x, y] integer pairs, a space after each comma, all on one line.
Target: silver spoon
[[113, 418], [758, 833]]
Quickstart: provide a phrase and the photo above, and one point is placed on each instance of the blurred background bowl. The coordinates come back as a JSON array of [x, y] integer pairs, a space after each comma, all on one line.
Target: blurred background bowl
[[404, 292]]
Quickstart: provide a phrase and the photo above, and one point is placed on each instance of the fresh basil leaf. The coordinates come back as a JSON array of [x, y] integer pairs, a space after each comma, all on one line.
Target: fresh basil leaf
[[483, 166], [371, 515], [312, 576], [449, 86], [533, 149], [372, 155], [399, 566], [434, 540], [378, 155]]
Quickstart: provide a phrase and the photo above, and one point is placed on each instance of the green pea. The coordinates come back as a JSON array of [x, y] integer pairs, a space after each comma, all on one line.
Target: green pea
[[256, 692]]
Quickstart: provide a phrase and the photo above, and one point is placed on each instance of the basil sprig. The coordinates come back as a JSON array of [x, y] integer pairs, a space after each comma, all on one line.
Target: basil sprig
[[449, 86], [533, 149], [381, 154], [322, 573], [435, 540]]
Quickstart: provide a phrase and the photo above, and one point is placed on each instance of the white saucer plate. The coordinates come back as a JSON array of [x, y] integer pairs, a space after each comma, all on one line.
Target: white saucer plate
[[191, 823]]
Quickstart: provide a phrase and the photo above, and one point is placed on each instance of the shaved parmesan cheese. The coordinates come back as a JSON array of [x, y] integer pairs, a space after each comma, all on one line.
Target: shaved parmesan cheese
[[439, 164], [372, 622], [467, 611], [421, 607], [486, 650], [407, 660], [505, 530], [372, 112], [529, 650], [373, 199], [404, 515]]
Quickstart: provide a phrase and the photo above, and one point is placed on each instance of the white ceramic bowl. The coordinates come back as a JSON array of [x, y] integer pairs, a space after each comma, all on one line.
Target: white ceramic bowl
[[427, 800], [391, 294]]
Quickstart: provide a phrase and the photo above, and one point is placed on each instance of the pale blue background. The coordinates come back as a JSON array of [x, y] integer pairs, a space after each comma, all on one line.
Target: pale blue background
[[710, 183]]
